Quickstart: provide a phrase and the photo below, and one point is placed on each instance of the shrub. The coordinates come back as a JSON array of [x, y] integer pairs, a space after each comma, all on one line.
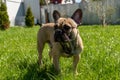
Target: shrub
[[4, 18], [29, 18]]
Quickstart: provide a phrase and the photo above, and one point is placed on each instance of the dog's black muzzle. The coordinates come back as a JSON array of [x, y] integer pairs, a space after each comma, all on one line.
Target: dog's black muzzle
[[58, 35], [64, 36]]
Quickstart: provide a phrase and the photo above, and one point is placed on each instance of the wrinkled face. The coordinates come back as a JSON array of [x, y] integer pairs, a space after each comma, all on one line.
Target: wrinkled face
[[64, 26], [63, 30]]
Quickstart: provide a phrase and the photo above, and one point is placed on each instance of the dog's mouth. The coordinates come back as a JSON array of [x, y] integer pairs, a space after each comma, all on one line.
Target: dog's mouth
[[67, 37]]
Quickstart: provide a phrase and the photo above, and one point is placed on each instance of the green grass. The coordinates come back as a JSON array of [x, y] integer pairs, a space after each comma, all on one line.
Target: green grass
[[100, 59]]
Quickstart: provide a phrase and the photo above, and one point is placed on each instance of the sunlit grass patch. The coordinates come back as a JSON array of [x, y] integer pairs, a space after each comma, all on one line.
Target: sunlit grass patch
[[99, 60]]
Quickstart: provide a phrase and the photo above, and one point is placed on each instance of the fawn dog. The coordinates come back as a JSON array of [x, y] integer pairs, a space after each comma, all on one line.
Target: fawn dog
[[63, 38]]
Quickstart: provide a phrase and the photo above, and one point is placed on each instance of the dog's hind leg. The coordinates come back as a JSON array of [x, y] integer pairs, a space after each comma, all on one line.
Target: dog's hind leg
[[40, 47], [50, 50]]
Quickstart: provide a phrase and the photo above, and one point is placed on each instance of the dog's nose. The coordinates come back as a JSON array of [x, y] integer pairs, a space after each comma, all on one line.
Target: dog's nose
[[58, 31], [57, 35]]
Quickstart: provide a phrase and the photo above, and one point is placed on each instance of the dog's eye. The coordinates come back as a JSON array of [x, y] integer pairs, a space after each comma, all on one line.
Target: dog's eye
[[66, 27]]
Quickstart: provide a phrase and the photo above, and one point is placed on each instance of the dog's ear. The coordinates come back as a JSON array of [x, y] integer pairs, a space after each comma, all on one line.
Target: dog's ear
[[77, 16], [56, 15]]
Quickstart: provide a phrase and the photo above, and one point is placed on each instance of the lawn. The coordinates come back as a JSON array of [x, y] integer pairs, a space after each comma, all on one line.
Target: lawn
[[100, 59]]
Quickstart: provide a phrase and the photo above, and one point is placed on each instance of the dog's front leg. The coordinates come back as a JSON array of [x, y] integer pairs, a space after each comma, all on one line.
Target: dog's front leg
[[56, 63], [75, 62]]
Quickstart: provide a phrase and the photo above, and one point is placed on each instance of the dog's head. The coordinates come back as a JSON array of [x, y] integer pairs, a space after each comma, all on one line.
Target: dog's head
[[64, 26]]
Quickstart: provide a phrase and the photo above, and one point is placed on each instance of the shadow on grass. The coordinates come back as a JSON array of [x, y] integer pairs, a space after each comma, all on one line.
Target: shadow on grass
[[35, 72]]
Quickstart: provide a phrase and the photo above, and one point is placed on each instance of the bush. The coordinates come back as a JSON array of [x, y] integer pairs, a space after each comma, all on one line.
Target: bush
[[29, 18], [4, 18]]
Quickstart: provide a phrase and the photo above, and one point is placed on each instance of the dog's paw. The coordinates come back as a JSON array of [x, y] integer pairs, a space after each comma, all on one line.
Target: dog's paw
[[76, 73]]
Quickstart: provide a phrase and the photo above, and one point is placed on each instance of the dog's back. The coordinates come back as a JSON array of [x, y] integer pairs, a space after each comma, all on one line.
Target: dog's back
[[45, 32]]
